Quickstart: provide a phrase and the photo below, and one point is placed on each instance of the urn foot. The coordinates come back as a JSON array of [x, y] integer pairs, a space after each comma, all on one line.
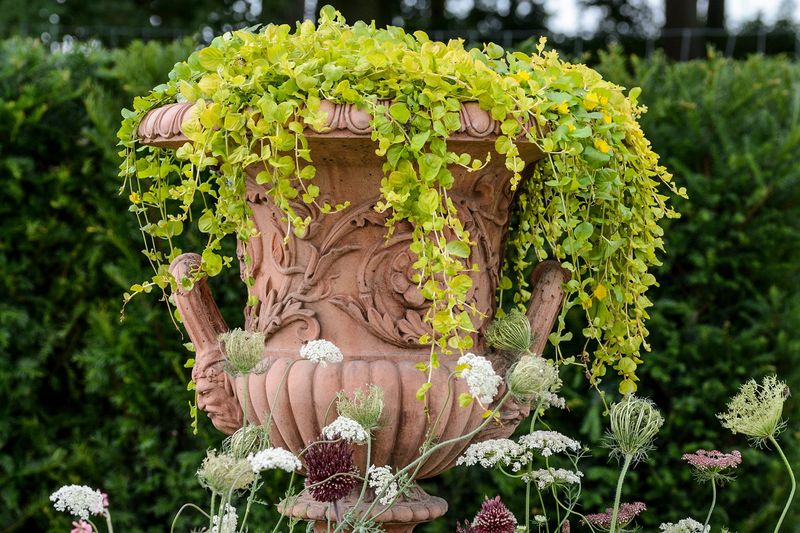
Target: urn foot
[[409, 511]]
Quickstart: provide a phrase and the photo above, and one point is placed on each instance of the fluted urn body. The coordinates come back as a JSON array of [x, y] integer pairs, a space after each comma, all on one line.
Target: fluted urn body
[[345, 281]]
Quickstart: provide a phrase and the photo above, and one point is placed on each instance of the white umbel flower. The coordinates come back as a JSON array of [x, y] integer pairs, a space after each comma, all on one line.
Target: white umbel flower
[[228, 522], [482, 380], [78, 500], [322, 352], [548, 477], [549, 442], [493, 452], [273, 459], [687, 525], [383, 482], [347, 429], [540, 519]]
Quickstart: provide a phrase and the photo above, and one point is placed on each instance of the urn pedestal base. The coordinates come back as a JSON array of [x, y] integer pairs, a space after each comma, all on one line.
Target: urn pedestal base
[[415, 508]]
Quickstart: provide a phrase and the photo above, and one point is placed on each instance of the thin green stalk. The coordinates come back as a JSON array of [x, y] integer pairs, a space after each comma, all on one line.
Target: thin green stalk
[[420, 461], [791, 477], [178, 514], [618, 496], [211, 515], [558, 511], [245, 379], [528, 505], [109, 525], [534, 416], [289, 495], [250, 499], [366, 472], [544, 510], [713, 503], [94, 527]]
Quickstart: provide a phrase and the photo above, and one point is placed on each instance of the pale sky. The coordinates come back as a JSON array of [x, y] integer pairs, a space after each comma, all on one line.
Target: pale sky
[[566, 16]]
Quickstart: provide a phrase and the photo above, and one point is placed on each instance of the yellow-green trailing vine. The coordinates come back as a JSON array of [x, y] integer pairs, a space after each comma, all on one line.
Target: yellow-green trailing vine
[[594, 202]]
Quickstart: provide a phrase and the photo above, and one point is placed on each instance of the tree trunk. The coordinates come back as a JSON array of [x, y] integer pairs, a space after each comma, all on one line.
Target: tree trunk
[[715, 16], [681, 20]]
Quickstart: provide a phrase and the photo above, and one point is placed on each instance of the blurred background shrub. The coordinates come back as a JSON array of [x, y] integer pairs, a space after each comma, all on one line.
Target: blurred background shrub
[[85, 398]]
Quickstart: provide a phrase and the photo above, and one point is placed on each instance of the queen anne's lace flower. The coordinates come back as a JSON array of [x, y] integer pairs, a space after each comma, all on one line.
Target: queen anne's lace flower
[[228, 522], [382, 480], [492, 452], [687, 525], [274, 459], [78, 500], [322, 352], [481, 378], [347, 429], [549, 442], [548, 477], [757, 410]]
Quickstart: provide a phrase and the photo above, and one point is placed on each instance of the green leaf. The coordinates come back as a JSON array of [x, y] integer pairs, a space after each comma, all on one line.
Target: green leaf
[[419, 140], [423, 390], [429, 165], [627, 386], [458, 249], [400, 112], [210, 58], [464, 399], [212, 262], [583, 231]]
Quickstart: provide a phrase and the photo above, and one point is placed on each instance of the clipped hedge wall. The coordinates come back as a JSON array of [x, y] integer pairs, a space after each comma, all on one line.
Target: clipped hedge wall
[[85, 398]]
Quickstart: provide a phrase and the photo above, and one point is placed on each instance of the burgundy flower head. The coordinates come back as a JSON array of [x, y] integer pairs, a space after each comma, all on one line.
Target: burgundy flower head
[[627, 512], [331, 472], [494, 517]]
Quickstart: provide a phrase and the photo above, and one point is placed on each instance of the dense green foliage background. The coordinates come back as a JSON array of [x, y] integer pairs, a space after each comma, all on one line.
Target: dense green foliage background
[[85, 398]]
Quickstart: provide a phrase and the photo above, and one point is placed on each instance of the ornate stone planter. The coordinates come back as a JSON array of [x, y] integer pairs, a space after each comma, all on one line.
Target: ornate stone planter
[[345, 282]]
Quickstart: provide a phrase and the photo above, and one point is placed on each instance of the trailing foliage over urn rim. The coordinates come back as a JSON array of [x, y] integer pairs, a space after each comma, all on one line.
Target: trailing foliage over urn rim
[[593, 203]]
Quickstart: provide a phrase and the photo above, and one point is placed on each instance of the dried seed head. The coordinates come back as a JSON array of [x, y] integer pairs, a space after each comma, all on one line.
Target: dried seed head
[[634, 425], [221, 473], [365, 408], [246, 440], [532, 379], [244, 352], [757, 410], [511, 332]]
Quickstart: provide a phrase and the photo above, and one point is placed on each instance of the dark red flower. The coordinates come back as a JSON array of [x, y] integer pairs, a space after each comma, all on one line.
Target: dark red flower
[[331, 472], [494, 517]]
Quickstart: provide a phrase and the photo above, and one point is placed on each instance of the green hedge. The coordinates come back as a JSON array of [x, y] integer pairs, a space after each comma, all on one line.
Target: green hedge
[[86, 398]]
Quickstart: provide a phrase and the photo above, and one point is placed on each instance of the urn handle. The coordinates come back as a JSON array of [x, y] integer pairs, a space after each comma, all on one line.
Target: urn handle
[[547, 294], [204, 324]]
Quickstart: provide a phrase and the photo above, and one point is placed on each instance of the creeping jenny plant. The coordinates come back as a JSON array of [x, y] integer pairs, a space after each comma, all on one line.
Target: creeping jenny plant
[[593, 203]]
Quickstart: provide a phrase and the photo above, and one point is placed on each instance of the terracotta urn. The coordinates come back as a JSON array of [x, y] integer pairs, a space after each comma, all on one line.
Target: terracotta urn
[[344, 281]]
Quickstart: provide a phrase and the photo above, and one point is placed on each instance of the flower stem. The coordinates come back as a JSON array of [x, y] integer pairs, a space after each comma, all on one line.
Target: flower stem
[[109, 525], [534, 416], [791, 477], [618, 496], [713, 503]]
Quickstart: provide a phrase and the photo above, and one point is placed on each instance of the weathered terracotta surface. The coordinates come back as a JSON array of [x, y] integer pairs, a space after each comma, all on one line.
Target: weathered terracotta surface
[[345, 282]]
